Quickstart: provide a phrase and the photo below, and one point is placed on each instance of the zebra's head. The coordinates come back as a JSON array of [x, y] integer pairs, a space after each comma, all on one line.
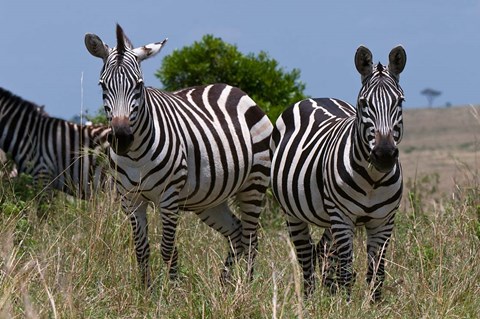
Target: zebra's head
[[379, 107], [122, 84]]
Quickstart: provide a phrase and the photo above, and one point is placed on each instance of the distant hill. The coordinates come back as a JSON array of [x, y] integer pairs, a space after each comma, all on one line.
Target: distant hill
[[443, 141]]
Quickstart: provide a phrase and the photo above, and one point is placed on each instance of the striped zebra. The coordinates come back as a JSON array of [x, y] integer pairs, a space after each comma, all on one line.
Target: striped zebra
[[337, 167], [58, 154], [189, 150]]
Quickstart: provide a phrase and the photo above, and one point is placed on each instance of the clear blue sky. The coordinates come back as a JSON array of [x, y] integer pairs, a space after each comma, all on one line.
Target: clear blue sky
[[43, 57]]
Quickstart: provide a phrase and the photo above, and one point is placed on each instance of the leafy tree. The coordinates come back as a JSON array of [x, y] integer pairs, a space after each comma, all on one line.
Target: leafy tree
[[213, 61], [99, 117]]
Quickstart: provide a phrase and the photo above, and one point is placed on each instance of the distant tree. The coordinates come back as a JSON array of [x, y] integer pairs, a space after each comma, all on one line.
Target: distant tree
[[214, 61], [430, 94], [98, 118]]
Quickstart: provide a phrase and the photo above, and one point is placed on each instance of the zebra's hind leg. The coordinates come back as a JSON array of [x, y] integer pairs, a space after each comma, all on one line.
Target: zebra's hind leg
[[226, 223], [378, 237], [250, 203], [251, 196], [305, 248], [327, 261]]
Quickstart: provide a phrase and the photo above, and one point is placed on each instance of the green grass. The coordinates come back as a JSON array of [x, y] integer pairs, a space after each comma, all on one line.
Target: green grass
[[77, 261]]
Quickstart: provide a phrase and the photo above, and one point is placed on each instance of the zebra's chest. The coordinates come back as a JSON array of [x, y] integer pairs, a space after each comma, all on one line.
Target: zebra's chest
[[358, 198], [150, 180]]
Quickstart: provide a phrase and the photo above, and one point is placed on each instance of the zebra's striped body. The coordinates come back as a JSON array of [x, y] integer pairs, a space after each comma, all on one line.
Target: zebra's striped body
[[57, 153], [337, 167], [189, 150]]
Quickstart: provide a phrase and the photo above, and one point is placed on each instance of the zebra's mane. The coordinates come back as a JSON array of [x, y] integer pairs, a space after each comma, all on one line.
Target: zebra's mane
[[6, 95], [123, 43], [380, 68]]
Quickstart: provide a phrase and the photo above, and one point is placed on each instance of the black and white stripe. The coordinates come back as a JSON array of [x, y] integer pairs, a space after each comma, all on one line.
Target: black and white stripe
[[188, 150], [57, 153], [337, 167]]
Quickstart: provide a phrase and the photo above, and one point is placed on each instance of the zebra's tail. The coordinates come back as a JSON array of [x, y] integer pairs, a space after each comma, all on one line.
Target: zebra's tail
[[277, 133]]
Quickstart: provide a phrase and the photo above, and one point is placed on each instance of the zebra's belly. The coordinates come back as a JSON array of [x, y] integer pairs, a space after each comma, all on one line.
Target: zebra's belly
[[210, 190], [317, 214], [320, 207], [306, 204], [187, 188]]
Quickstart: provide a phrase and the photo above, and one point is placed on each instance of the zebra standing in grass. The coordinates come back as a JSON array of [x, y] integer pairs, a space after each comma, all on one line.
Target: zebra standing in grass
[[337, 168], [190, 150], [58, 154]]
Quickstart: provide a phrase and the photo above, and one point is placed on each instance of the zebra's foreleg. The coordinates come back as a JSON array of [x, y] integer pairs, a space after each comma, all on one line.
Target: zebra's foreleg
[[305, 248], [168, 248], [327, 260], [378, 237], [138, 220], [226, 223], [343, 240]]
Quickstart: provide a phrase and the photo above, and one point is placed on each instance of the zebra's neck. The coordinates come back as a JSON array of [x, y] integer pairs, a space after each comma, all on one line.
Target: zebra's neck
[[146, 128]]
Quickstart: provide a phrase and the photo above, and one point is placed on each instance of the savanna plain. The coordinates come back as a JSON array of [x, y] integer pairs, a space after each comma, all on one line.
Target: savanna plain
[[67, 258]]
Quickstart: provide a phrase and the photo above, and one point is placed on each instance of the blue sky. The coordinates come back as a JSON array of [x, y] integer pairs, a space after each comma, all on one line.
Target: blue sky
[[43, 57]]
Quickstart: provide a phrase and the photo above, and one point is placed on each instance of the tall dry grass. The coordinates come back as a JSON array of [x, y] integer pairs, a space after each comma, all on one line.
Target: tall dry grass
[[78, 262]]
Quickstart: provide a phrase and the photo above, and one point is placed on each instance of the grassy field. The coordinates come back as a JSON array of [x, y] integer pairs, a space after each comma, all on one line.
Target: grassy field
[[441, 146], [77, 261]]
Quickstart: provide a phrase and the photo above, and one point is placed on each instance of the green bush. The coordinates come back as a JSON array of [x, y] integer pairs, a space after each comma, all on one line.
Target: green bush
[[212, 60]]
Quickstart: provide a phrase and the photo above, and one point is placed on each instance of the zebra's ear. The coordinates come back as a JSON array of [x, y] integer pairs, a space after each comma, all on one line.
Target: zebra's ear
[[363, 61], [95, 46], [149, 50], [397, 60]]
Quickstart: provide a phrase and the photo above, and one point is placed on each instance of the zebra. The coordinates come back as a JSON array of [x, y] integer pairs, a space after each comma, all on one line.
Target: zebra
[[337, 167], [57, 154], [189, 150]]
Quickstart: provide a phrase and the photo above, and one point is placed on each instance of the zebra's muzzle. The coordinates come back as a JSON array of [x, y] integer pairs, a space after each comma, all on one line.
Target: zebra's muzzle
[[121, 136], [384, 155]]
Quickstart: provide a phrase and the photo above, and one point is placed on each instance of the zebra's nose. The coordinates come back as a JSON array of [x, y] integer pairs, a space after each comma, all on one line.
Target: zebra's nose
[[384, 155], [121, 137]]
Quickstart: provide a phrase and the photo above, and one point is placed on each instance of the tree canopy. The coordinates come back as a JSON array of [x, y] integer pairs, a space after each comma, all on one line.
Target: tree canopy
[[212, 60]]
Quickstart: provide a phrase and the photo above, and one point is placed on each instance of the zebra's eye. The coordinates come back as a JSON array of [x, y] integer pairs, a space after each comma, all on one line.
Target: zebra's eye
[[362, 102], [139, 81]]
